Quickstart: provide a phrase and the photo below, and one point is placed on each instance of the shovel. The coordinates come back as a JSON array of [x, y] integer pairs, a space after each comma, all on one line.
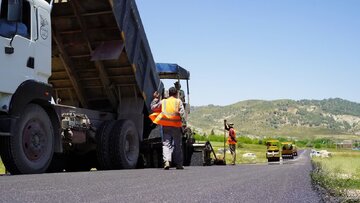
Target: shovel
[[217, 161], [224, 142]]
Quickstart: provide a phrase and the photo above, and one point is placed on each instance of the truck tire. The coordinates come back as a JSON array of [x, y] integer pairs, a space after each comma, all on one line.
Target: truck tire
[[124, 146], [103, 146], [30, 148]]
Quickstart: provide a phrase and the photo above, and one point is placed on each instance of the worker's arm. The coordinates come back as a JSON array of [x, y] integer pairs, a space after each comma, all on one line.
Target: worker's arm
[[156, 102], [182, 95], [182, 110], [226, 125], [156, 105]]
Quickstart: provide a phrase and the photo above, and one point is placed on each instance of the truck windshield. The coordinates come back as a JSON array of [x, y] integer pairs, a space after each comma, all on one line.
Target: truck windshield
[[2, 10], [10, 28]]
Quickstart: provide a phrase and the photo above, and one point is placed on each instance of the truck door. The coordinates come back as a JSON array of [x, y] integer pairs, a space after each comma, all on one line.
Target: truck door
[[43, 44], [16, 46]]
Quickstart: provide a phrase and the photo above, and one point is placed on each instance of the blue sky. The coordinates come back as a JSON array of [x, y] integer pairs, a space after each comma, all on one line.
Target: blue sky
[[258, 49]]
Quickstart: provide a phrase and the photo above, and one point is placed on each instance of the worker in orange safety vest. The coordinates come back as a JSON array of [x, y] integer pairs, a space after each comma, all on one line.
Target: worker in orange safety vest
[[170, 118], [231, 141], [156, 109]]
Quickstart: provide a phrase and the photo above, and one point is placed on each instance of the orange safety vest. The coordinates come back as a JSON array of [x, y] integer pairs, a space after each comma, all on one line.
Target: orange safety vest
[[154, 115], [169, 115], [231, 134]]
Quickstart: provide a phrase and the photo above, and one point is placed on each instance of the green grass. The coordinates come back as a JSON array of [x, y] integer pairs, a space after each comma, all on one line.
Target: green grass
[[2, 167], [340, 173]]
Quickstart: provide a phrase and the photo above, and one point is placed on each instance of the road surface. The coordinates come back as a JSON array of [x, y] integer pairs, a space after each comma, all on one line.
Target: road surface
[[287, 181]]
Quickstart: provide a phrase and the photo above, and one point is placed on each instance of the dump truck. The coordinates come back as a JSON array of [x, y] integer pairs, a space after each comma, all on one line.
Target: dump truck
[[272, 150], [287, 151], [77, 78]]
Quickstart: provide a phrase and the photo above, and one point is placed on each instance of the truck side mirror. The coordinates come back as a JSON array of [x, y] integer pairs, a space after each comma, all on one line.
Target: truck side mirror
[[14, 10]]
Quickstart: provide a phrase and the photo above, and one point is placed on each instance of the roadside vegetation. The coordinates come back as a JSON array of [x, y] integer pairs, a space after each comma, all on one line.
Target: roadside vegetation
[[339, 175], [2, 168]]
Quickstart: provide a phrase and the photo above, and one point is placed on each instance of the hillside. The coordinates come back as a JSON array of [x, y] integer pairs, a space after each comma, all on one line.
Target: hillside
[[281, 117]]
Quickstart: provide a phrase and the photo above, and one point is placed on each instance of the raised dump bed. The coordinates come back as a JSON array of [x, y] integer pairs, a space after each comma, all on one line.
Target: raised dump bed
[[101, 59]]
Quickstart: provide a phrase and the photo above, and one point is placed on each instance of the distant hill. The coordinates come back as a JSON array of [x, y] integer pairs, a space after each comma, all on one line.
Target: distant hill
[[280, 117]]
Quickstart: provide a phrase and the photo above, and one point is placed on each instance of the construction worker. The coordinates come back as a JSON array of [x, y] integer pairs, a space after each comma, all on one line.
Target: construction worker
[[154, 107], [231, 141], [181, 94], [170, 118]]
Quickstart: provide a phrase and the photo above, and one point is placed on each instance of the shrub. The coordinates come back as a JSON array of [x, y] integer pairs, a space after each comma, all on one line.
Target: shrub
[[245, 140], [240, 145], [200, 137], [309, 144], [214, 138]]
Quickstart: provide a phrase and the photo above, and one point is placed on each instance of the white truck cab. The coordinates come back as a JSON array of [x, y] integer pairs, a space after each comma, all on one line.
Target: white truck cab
[[25, 45]]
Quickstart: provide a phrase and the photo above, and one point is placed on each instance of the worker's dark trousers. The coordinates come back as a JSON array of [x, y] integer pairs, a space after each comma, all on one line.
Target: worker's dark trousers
[[172, 137], [233, 152]]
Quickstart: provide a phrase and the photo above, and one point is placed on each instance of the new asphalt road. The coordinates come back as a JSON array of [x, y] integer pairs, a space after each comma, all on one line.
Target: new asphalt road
[[287, 181]]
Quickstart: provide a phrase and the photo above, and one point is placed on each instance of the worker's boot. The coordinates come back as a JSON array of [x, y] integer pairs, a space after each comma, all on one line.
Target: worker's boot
[[179, 167], [166, 165]]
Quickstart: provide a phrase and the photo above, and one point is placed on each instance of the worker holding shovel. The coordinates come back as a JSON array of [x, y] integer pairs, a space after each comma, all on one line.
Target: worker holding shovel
[[231, 141]]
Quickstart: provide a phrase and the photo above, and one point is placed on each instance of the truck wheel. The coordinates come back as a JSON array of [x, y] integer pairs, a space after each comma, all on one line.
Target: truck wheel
[[102, 145], [124, 146], [30, 148]]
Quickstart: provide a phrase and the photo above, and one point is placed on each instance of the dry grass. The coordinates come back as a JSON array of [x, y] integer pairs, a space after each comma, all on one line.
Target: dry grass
[[339, 174], [343, 162]]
